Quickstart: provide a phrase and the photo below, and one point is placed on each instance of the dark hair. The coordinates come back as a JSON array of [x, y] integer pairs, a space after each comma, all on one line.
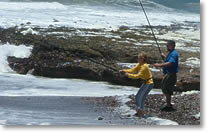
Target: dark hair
[[171, 42]]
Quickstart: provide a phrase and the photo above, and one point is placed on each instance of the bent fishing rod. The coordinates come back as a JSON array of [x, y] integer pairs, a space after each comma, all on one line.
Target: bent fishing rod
[[96, 62], [151, 29], [109, 67]]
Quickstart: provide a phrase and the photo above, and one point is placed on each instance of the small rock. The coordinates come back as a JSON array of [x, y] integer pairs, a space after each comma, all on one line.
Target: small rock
[[55, 20], [100, 118]]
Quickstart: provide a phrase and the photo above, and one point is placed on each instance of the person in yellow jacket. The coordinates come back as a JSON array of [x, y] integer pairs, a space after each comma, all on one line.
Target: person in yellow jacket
[[141, 71]]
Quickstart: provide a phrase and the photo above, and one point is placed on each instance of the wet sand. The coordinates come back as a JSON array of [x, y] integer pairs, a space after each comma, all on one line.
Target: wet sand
[[96, 111], [61, 110]]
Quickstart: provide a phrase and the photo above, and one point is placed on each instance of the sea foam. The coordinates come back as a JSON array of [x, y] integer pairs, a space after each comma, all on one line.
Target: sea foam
[[43, 14], [6, 50]]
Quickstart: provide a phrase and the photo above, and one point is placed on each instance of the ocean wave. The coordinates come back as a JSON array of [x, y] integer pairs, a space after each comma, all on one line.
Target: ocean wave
[[109, 14], [184, 5], [31, 5], [6, 50]]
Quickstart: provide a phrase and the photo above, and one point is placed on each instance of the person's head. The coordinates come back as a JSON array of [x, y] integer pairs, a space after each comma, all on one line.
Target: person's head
[[170, 45], [142, 57]]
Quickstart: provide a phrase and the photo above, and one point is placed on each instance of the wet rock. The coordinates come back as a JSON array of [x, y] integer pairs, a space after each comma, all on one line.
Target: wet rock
[[22, 66], [100, 118], [88, 57], [28, 23], [55, 20]]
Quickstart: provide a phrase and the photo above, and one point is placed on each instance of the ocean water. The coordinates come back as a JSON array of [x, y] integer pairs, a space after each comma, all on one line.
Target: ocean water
[[109, 14]]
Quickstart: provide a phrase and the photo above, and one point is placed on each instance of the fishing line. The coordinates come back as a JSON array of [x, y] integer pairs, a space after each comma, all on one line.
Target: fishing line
[[151, 29]]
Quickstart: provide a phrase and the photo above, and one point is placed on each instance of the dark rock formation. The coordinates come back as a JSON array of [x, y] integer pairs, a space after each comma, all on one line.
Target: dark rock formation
[[87, 57], [86, 69]]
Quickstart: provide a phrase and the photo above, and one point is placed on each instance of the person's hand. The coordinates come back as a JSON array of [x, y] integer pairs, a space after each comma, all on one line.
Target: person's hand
[[163, 55], [151, 65], [121, 72]]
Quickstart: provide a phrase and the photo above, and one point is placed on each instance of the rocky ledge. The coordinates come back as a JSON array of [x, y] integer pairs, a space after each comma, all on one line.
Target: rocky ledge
[[92, 57]]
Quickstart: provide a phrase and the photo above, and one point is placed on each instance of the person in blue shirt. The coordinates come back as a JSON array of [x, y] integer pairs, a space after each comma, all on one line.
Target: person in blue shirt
[[170, 68]]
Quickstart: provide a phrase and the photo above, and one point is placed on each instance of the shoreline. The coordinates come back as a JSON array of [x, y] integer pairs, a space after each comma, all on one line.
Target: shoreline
[[95, 111], [59, 110]]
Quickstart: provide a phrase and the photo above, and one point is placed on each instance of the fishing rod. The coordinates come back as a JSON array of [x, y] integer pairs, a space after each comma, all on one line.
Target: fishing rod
[[109, 67], [97, 62], [151, 29]]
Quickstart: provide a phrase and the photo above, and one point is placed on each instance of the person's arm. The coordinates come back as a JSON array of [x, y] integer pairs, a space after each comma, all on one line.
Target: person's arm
[[140, 74], [166, 64], [170, 62]]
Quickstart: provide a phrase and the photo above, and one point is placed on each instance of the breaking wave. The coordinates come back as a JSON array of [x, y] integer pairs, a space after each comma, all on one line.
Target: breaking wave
[[6, 50]]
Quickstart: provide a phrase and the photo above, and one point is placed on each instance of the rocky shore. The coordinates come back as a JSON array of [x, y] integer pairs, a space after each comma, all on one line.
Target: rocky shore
[[93, 54], [187, 107]]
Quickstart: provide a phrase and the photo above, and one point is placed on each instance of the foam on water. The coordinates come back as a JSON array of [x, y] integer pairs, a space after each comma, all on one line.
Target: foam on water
[[186, 35], [126, 110], [28, 85], [29, 31], [189, 93], [6, 50], [193, 62], [89, 16]]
